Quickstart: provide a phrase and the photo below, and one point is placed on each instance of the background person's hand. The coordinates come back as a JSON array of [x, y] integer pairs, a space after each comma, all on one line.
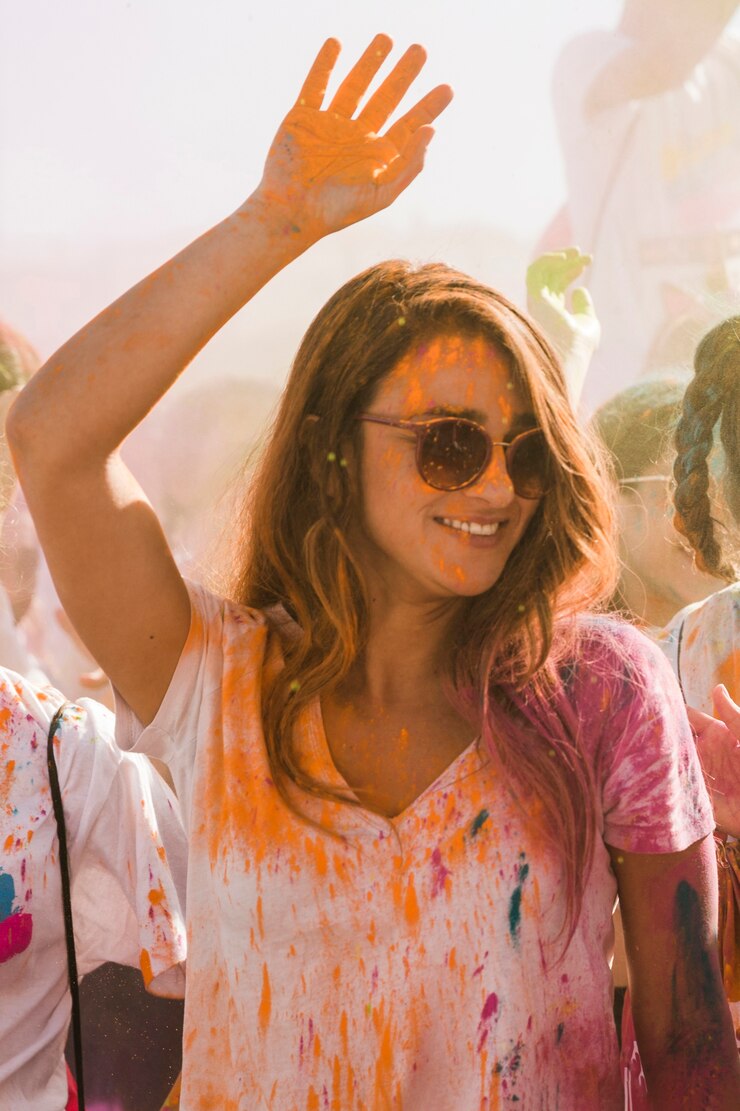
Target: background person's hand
[[718, 743], [330, 167], [569, 321]]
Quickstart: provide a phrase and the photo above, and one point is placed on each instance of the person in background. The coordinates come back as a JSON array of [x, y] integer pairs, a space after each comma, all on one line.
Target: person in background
[[18, 361], [408, 812], [702, 640], [567, 317], [650, 134], [127, 861], [658, 574]]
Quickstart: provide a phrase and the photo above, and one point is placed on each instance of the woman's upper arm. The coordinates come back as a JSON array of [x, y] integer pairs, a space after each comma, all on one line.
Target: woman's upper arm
[[683, 1024], [114, 574]]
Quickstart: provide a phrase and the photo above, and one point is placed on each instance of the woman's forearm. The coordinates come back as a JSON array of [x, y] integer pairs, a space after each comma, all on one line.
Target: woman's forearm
[[109, 375]]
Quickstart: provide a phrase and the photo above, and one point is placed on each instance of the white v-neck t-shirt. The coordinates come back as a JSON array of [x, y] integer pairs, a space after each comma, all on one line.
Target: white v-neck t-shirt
[[409, 963]]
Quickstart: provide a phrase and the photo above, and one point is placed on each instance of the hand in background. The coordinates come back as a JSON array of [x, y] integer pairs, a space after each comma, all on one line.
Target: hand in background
[[329, 167], [570, 323], [718, 742]]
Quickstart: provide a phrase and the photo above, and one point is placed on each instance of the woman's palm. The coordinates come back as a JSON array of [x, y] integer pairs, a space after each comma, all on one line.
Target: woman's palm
[[333, 169]]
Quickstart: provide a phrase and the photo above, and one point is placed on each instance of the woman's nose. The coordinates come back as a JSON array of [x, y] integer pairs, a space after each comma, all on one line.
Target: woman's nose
[[494, 485]]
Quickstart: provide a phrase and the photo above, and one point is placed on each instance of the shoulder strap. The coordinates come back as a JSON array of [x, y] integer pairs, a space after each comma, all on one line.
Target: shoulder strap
[[679, 646], [74, 988]]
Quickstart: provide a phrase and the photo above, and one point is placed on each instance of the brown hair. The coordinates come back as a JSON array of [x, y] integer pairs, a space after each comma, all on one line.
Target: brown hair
[[712, 399], [506, 644]]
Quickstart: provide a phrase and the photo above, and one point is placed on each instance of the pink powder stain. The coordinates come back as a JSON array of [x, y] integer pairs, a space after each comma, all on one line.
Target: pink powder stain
[[490, 1010], [439, 873], [490, 1007], [15, 935]]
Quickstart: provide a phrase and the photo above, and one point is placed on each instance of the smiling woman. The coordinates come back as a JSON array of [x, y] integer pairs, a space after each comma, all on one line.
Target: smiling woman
[[415, 767]]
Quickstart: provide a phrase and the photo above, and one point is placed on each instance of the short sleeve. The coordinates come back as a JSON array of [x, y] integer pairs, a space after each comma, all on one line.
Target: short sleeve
[[129, 854], [198, 673], [702, 643], [653, 795]]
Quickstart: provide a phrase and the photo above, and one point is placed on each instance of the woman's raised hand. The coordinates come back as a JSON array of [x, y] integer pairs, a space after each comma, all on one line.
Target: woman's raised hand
[[330, 167]]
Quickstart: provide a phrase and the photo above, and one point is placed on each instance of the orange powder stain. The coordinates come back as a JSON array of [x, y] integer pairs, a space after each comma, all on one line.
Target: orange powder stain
[[156, 895], [319, 854], [692, 636], [260, 922], [265, 1007], [161, 853], [145, 964], [343, 1034], [312, 1103], [29, 835], [384, 1071], [371, 935], [317, 1047], [452, 959], [5, 716], [729, 673], [411, 906], [336, 1090], [507, 409]]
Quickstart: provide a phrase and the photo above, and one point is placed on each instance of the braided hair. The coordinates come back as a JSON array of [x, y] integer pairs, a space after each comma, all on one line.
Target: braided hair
[[712, 398]]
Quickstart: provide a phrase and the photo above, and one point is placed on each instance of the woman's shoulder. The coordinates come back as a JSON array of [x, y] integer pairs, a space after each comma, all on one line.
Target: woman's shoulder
[[609, 646]]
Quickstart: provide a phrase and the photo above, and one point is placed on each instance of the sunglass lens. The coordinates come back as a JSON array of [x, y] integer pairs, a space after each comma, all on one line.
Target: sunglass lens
[[529, 464], [453, 453]]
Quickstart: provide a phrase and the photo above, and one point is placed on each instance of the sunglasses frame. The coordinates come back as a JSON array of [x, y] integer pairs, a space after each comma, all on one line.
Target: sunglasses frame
[[420, 429]]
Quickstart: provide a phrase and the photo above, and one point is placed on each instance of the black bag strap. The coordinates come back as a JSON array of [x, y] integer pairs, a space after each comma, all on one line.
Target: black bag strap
[[74, 987]]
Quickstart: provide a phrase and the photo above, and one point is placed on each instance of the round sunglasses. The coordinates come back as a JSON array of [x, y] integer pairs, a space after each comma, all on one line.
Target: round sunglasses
[[453, 452]]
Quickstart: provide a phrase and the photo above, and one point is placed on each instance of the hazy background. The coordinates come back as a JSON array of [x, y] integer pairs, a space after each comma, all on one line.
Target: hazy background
[[129, 126]]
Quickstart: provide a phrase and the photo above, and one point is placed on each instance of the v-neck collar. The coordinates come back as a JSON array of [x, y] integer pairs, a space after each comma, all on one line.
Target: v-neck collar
[[466, 763]]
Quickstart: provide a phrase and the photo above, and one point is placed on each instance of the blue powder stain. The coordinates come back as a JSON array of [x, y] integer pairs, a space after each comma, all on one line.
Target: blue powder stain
[[7, 895], [515, 903], [478, 822]]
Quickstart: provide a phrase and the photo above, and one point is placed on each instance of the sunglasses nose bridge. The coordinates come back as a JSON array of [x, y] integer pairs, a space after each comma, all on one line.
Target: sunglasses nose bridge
[[494, 475]]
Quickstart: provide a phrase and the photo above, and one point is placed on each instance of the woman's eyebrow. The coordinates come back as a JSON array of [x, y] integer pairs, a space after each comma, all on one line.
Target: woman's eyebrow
[[521, 422], [453, 411]]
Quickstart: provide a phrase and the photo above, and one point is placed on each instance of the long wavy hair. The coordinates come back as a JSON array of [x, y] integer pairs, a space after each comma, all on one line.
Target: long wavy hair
[[507, 646], [711, 403]]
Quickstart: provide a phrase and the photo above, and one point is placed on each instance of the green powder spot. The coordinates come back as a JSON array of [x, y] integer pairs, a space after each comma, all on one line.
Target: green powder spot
[[480, 819]]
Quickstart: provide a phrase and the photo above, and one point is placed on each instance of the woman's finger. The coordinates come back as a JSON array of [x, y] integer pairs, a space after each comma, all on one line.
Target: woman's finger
[[314, 87], [726, 709], [356, 83], [402, 170], [425, 112], [389, 95]]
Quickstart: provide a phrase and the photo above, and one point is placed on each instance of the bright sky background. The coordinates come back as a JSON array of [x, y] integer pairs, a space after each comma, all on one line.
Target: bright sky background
[[128, 126]]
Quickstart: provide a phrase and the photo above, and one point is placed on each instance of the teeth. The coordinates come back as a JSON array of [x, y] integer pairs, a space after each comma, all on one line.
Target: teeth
[[471, 526]]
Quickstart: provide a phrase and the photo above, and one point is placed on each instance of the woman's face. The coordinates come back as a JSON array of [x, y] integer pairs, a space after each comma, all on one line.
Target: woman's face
[[416, 537], [659, 576]]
